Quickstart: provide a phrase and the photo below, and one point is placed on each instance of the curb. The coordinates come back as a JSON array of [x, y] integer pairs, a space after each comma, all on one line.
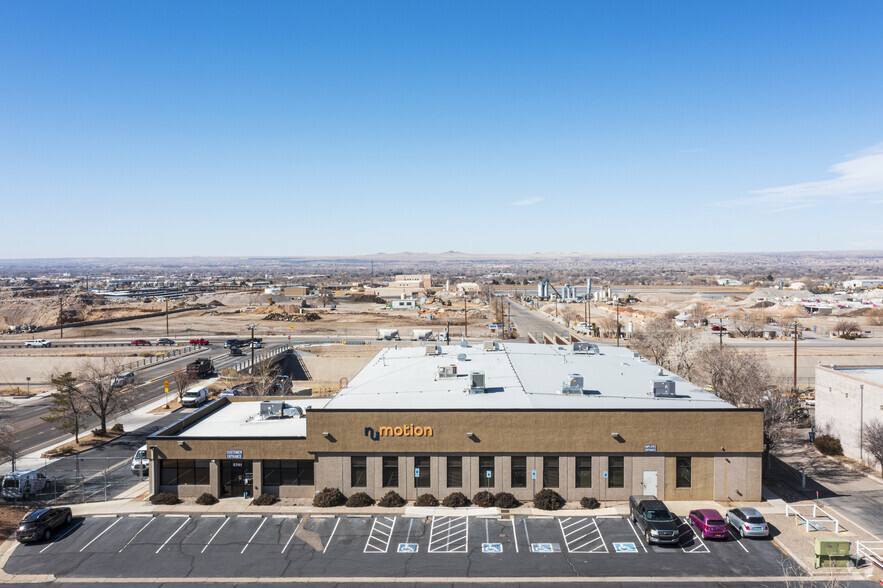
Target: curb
[[46, 455], [851, 468]]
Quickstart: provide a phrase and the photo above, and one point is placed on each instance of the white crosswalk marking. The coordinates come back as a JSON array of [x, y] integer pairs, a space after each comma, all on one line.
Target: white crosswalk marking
[[380, 535], [582, 535], [449, 534]]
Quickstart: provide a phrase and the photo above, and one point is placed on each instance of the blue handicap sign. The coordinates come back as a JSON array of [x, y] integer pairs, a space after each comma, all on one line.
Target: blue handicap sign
[[541, 547], [416, 472], [492, 548], [625, 548], [487, 474], [605, 473], [533, 474], [407, 548]]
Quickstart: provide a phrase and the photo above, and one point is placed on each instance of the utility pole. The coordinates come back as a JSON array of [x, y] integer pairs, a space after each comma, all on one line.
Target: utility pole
[[721, 332], [167, 317], [465, 317], [251, 326], [61, 317], [617, 323], [794, 389]]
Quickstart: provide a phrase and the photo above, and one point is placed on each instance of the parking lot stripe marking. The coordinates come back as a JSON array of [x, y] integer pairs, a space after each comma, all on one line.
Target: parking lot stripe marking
[[253, 535], [280, 516], [104, 516], [135, 535], [173, 534], [247, 516], [332, 535], [515, 535], [638, 537], [408, 538], [696, 537], [213, 516], [177, 516], [526, 534], [100, 534], [380, 536], [293, 533], [63, 535], [226, 520], [147, 516], [737, 540]]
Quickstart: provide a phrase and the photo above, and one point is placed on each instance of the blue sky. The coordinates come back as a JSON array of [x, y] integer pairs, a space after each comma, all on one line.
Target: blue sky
[[341, 128]]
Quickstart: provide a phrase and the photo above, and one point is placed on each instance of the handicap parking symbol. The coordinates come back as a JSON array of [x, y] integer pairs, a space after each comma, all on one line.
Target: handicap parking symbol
[[625, 548], [492, 548], [407, 548], [541, 547]]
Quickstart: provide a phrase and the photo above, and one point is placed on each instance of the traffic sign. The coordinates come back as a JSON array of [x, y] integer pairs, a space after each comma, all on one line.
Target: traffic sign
[[533, 474], [605, 473], [487, 474], [492, 548], [416, 472], [166, 383], [625, 548], [407, 548]]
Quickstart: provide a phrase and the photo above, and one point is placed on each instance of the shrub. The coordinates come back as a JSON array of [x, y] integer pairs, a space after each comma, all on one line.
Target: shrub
[[426, 500], [99, 433], [483, 499], [206, 499], [118, 428], [589, 502], [455, 500], [392, 500], [506, 500], [547, 499], [265, 500], [166, 498], [329, 497], [359, 499], [829, 445]]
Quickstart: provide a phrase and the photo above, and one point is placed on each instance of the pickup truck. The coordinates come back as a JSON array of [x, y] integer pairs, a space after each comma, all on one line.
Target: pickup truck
[[38, 343], [654, 519]]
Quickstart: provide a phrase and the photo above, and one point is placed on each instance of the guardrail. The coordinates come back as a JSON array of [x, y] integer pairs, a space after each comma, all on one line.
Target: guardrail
[[815, 521], [871, 551], [157, 359], [262, 356]]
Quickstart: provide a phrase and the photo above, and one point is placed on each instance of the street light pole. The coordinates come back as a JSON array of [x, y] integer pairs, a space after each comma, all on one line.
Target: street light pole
[[794, 388], [251, 326], [617, 323]]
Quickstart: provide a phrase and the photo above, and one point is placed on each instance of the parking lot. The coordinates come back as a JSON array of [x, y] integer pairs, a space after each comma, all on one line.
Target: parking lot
[[252, 545]]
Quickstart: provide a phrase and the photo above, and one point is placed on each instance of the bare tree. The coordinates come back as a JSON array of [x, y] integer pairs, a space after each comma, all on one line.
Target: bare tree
[[847, 329], [8, 440], [873, 441], [653, 340], [776, 419], [748, 324], [68, 408], [742, 379], [326, 296], [102, 392], [182, 379]]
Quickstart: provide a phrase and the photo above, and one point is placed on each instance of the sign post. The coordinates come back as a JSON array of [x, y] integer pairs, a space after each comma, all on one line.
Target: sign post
[[166, 386]]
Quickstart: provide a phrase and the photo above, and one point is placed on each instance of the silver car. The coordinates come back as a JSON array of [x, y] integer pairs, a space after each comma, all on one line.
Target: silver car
[[748, 521]]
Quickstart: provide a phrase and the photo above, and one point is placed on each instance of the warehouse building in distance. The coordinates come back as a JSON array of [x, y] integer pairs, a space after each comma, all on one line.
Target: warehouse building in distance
[[848, 399], [581, 419]]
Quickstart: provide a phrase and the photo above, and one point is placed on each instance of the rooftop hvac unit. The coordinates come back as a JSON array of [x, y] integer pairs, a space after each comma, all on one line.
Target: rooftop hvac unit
[[433, 350], [663, 388], [584, 347], [447, 371], [573, 385], [461, 357], [491, 346], [464, 343], [272, 409], [476, 383], [293, 412]]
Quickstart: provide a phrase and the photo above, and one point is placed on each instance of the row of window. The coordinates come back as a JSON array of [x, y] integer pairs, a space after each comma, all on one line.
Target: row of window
[[518, 471], [183, 472], [288, 472]]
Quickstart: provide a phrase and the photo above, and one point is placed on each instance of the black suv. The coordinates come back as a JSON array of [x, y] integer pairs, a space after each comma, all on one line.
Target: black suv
[[40, 523]]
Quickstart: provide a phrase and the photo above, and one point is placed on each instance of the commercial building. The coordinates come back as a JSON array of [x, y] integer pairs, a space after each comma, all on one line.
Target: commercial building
[[848, 398], [582, 419]]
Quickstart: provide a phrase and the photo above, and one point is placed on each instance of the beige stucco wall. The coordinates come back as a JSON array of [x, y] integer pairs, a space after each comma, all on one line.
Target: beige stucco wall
[[841, 404]]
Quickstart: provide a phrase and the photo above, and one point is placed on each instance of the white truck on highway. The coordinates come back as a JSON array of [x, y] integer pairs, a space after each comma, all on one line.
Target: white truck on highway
[[421, 335], [38, 343], [387, 334]]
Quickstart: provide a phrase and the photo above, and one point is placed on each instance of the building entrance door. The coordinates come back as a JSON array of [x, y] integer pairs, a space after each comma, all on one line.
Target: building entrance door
[[649, 483], [236, 477]]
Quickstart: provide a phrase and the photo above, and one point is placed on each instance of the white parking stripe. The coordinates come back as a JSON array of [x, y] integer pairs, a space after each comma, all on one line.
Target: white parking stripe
[[227, 520], [296, 529], [737, 540], [515, 535], [136, 534], [635, 531], [380, 536], [582, 533], [100, 534], [253, 535], [332, 535], [63, 535], [449, 534], [701, 548], [172, 535]]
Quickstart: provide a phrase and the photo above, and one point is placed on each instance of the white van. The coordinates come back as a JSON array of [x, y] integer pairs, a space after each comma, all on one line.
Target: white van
[[140, 462], [23, 484], [195, 396]]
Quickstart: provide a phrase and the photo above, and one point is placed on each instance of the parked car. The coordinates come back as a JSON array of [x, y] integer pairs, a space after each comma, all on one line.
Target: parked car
[[231, 343], [256, 344], [125, 379], [199, 342], [164, 341], [24, 484], [231, 392], [140, 462], [41, 523], [140, 342], [708, 523], [748, 521], [195, 396], [235, 351], [38, 343], [718, 329], [654, 519]]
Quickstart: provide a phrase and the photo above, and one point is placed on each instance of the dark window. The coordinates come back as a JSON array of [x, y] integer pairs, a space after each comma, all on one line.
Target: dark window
[[288, 472], [200, 471], [168, 472], [184, 472], [358, 471], [684, 475], [550, 471], [305, 472], [616, 472], [583, 471], [485, 465], [390, 472], [455, 472], [270, 472], [519, 471], [421, 463]]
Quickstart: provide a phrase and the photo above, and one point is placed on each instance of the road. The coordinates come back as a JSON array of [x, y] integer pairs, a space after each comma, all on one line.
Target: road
[[529, 321]]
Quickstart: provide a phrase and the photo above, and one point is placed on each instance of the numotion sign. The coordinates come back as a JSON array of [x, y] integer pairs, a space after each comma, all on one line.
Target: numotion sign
[[401, 431]]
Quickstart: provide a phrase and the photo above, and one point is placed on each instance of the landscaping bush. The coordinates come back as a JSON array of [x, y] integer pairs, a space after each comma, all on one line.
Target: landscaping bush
[[392, 500], [426, 500], [506, 500], [329, 497], [455, 500], [165, 498], [829, 445], [589, 502], [118, 428], [359, 499], [265, 500], [547, 499], [98, 433], [206, 499], [483, 499]]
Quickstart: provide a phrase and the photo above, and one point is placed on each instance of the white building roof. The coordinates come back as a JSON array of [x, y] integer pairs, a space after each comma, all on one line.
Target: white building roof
[[242, 419], [870, 373], [517, 376]]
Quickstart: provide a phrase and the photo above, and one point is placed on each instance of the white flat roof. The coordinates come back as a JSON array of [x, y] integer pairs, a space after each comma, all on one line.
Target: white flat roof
[[242, 419], [517, 376], [870, 373]]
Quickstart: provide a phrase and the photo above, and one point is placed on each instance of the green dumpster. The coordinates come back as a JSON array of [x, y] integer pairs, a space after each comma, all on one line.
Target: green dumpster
[[832, 552]]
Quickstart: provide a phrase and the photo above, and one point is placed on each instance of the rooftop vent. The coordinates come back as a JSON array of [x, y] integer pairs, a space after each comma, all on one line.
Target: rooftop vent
[[464, 343], [447, 371], [433, 350], [272, 409], [585, 348], [476, 383], [663, 388], [293, 412], [461, 357], [491, 346], [573, 385]]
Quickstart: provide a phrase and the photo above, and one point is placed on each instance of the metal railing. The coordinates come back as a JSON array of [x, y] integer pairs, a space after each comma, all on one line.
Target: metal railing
[[262, 356], [871, 551], [814, 522]]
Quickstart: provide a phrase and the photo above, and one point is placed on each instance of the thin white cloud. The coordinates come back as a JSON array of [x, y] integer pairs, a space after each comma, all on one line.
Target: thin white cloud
[[526, 202], [861, 175]]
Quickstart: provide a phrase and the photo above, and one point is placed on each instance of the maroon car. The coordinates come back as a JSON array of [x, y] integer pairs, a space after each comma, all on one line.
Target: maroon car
[[709, 523], [140, 342]]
